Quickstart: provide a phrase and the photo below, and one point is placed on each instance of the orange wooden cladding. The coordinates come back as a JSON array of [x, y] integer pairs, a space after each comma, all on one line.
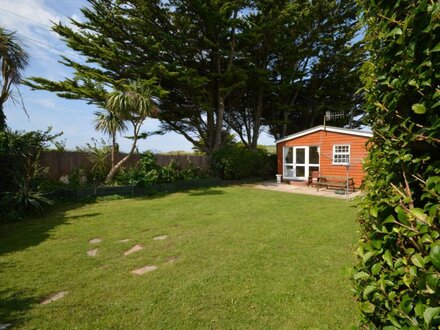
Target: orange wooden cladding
[[326, 140]]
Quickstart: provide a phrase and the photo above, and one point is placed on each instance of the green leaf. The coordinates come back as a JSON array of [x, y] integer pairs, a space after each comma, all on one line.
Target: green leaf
[[436, 48], [418, 260], [397, 31], [419, 108], [407, 279], [367, 307], [429, 314], [434, 254], [367, 256], [388, 258], [376, 268], [413, 83], [361, 275], [393, 320], [419, 214], [406, 304], [419, 309], [369, 290]]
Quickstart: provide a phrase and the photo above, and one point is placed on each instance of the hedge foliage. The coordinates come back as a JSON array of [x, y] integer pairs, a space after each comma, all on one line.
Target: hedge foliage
[[397, 278], [236, 162], [149, 173]]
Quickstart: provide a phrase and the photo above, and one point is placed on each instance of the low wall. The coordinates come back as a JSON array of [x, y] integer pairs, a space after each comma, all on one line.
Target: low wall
[[61, 163]]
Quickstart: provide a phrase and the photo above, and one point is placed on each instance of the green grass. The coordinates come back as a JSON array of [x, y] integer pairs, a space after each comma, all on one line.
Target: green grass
[[246, 258]]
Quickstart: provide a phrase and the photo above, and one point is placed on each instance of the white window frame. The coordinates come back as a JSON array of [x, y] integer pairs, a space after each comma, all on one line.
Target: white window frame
[[288, 164], [341, 153], [294, 164]]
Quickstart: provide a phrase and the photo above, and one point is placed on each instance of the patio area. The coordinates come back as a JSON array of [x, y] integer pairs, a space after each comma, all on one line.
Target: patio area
[[304, 189]]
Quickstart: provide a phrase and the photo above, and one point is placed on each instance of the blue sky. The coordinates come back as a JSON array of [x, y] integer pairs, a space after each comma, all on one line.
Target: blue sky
[[32, 20]]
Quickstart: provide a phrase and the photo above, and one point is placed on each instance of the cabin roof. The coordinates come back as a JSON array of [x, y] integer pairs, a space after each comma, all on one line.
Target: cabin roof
[[349, 131]]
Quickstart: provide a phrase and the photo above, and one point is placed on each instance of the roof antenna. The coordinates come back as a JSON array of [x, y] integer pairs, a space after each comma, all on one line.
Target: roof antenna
[[332, 115], [327, 116]]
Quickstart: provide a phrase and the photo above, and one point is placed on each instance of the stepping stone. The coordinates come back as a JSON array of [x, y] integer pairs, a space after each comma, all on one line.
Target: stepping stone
[[134, 249], [54, 297], [92, 253], [124, 240], [171, 259], [144, 270], [160, 238], [4, 326], [95, 241]]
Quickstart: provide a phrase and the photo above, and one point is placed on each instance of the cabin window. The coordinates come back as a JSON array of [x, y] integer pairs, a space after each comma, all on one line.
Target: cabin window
[[341, 154], [300, 162]]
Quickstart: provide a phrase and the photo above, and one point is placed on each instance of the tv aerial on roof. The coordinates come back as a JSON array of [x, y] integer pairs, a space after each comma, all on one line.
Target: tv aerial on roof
[[333, 115]]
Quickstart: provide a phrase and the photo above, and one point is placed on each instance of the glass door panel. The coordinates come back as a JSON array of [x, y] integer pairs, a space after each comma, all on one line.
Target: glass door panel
[[300, 172], [313, 156], [300, 155]]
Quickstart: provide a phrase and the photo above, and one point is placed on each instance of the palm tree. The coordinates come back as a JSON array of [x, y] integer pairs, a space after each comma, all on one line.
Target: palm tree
[[110, 123], [133, 103], [13, 60]]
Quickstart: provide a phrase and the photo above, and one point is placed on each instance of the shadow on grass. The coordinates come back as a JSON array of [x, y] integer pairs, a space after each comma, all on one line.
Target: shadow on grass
[[17, 236], [207, 192], [87, 215], [13, 307]]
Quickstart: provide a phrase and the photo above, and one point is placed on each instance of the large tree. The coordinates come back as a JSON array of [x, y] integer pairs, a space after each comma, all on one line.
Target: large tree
[[13, 60], [216, 65], [187, 47]]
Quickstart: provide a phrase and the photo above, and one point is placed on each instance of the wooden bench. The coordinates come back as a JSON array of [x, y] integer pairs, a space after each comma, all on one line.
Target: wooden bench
[[337, 182]]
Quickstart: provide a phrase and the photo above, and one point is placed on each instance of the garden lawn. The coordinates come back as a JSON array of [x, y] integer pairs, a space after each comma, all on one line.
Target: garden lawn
[[243, 258]]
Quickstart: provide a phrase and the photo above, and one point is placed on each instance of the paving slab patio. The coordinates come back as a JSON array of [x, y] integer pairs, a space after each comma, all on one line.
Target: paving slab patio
[[302, 189]]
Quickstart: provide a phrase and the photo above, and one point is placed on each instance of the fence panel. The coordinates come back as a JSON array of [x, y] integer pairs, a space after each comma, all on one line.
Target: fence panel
[[61, 163]]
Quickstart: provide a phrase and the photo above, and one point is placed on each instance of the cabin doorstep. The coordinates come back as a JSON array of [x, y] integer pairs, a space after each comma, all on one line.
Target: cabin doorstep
[[331, 151]]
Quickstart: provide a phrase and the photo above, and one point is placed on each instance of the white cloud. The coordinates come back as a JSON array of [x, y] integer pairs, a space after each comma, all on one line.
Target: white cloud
[[46, 103], [32, 20]]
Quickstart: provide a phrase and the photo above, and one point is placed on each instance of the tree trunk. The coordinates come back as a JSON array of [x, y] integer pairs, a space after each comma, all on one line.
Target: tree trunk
[[257, 123], [2, 119], [113, 149], [219, 124], [116, 167]]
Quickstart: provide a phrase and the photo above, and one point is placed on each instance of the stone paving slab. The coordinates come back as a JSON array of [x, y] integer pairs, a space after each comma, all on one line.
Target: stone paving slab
[[160, 238], [305, 190], [134, 249], [95, 241], [92, 253], [144, 270], [54, 297]]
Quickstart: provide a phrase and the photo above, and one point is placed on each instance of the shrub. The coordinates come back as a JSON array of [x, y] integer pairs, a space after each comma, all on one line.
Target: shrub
[[98, 160], [149, 173], [238, 162], [21, 173], [398, 274]]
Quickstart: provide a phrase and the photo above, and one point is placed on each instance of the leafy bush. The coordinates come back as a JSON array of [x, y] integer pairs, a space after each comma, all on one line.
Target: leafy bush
[[148, 172], [98, 161], [238, 162], [21, 173], [397, 279]]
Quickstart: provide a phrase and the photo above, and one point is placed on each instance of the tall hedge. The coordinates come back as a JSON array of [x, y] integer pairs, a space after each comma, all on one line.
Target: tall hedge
[[397, 276]]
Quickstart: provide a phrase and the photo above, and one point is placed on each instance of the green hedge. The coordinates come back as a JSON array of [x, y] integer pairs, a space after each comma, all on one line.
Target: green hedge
[[398, 274], [237, 162]]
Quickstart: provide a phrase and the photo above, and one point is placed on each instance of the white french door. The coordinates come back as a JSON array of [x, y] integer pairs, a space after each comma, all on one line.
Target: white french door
[[300, 162]]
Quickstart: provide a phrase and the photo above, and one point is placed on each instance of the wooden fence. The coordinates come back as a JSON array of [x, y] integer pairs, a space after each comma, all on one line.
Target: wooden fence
[[63, 163]]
